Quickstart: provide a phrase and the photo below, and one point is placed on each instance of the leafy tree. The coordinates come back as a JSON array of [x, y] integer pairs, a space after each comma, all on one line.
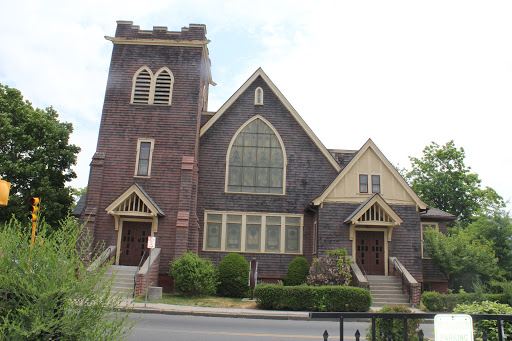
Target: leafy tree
[[461, 256], [193, 275], [442, 180], [48, 293], [496, 229], [35, 157]]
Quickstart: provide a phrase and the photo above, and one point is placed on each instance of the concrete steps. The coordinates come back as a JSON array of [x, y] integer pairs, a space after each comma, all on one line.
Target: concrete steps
[[123, 280], [387, 290]]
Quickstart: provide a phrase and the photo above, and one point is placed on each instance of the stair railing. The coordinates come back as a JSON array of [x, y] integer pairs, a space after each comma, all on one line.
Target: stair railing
[[104, 257], [408, 282], [359, 275], [138, 268]]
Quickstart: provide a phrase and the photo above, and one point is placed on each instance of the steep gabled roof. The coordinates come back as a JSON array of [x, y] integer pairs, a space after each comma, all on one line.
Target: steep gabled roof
[[371, 145], [284, 101], [136, 202]]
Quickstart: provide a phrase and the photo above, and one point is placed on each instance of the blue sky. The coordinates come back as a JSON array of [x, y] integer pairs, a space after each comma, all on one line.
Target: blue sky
[[403, 73]]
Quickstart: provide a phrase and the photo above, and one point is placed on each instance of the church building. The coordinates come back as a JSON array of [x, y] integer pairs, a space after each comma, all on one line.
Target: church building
[[250, 178]]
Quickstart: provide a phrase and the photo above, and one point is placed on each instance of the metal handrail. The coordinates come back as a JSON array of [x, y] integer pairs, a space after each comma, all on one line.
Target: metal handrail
[[138, 268]]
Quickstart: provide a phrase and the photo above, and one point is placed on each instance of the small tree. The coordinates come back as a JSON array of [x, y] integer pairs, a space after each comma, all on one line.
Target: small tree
[[193, 275], [331, 269], [233, 276], [48, 293], [297, 272], [395, 327]]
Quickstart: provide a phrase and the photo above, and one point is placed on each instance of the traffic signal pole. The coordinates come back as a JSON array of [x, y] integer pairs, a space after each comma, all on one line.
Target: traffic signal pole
[[34, 216]]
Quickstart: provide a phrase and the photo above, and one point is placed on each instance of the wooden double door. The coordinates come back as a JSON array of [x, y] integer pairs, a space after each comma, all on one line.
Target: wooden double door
[[134, 241], [370, 252]]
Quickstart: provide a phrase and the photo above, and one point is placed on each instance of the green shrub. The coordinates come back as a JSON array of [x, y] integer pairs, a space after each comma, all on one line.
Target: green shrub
[[489, 326], [297, 272], [348, 299], [435, 301], [331, 269], [193, 275], [233, 272], [394, 326], [309, 298]]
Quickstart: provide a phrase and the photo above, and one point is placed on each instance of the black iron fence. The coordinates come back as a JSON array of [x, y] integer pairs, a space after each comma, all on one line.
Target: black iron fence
[[404, 316]]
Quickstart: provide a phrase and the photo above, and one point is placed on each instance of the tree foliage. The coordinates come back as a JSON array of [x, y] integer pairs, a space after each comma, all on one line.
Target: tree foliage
[[331, 269], [442, 179], [461, 256], [47, 292], [35, 157], [496, 230]]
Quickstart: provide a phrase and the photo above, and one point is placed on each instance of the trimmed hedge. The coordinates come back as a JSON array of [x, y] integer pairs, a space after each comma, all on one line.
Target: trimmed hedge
[[233, 271], [297, 272], [435, 301], [310, 298]]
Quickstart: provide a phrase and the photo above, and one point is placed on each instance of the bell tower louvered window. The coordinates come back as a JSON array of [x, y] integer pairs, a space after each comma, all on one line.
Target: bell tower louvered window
[[152, 89], [142, 87], [163, 87], [256, 160]]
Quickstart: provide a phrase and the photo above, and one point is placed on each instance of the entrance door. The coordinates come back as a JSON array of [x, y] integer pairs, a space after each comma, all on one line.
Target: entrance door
[[370, 251], [134, 242]]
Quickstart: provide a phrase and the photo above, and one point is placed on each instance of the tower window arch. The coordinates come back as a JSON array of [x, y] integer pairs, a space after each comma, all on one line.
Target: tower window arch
[[142, 86], [258, 96], [164, 82], [152, 89], [256, 160]]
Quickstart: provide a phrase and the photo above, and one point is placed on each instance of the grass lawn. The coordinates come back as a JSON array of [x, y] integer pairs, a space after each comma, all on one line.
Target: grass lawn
[[204, 301]]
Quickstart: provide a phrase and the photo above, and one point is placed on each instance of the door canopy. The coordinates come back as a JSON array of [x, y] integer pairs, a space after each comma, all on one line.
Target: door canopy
[[374, 212]]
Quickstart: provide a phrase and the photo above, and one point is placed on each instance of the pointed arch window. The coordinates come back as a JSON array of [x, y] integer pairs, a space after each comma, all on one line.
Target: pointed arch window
[[258, 96], [152, 89], [163, 87], [142, 86], [256, 160]]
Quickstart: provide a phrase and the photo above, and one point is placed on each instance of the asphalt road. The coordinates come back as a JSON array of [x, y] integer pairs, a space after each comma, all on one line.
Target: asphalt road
[[198, 328]]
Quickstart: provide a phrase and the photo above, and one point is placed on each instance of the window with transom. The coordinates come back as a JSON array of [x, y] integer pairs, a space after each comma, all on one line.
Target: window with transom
[[256, 162]]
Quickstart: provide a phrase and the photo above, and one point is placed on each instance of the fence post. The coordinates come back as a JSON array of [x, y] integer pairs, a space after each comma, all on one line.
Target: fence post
[[501, 331], [373, 328], [357, 335], [405, 331], [421, 335], [341, 328], [326, 335]]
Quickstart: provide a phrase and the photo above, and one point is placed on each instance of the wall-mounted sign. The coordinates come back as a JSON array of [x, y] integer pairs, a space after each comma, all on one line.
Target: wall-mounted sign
[[151, 242]]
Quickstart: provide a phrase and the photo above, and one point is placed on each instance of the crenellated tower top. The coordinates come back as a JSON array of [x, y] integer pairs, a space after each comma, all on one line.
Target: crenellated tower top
[[128, 33]]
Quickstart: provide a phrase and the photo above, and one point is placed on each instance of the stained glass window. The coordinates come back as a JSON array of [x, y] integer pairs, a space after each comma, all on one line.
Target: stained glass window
[[256, 161]]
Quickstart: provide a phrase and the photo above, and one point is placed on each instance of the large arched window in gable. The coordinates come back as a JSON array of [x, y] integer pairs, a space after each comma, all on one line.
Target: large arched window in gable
[[141, 89], [256, 160]]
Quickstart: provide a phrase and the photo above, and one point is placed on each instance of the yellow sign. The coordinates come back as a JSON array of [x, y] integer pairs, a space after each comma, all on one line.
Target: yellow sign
[[5, 187]]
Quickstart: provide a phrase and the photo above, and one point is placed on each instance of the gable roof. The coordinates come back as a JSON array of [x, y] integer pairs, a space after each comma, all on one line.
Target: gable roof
[[374, 211], [136, 202], [284, 101], [371, 145]]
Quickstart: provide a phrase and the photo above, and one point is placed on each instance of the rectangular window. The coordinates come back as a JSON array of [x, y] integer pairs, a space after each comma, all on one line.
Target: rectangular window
[[425, 227], [213, 231], [144, 156], [375, 183], [363, 183], [253, 232]]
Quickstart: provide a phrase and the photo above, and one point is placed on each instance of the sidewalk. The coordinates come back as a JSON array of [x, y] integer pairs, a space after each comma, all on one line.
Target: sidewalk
[[170, 309]]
